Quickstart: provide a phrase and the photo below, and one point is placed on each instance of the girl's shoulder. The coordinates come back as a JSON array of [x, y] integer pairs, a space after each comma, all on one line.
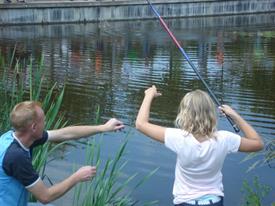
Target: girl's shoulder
[[224, 134], [227, 136], [177, 132]]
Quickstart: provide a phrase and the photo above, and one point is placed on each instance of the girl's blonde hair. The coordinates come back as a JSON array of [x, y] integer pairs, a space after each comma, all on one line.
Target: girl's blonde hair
[[197, 114]]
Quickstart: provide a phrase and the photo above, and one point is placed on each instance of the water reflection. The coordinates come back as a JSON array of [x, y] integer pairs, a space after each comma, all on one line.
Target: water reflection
[[111, 63]]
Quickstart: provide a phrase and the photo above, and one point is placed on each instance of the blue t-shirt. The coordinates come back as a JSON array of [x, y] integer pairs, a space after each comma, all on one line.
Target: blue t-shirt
[[16, 170]]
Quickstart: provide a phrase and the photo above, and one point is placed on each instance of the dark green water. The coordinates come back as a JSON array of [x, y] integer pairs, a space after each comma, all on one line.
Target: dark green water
[[111, 63]]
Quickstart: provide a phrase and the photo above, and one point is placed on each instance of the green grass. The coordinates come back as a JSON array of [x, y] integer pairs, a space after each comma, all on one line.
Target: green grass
[[15, 88], [264, 158], [107, 187], [255, 193]]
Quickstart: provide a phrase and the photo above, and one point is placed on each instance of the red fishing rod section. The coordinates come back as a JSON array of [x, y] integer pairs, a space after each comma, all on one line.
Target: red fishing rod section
[[233, 124]]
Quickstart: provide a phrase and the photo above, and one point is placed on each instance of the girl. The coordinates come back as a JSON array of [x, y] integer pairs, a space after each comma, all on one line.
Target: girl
[[200, 148]]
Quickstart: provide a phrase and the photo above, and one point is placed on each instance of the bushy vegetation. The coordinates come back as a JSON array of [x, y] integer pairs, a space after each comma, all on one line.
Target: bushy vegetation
[[20, 82]]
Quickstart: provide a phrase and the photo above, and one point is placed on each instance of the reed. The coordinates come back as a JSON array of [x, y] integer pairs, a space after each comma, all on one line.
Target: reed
[[263, 158], [254, 193], [15, 87], [11, 90], [51, 103], [107, 187]]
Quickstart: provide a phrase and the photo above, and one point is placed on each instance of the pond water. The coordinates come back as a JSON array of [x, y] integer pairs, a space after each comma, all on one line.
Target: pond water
[[110, 64]]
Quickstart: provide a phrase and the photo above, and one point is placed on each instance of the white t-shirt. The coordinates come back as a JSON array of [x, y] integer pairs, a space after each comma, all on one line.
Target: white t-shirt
[[198, 167]]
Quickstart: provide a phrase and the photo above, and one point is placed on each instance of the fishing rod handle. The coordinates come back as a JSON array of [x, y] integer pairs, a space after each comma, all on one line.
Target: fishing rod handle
[[233, 124]]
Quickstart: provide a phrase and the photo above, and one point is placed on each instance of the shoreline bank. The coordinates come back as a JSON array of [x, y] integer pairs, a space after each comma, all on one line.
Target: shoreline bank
[[54, 12]]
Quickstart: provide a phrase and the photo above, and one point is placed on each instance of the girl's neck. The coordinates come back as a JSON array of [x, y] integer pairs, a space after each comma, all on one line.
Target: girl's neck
[[200, 138]]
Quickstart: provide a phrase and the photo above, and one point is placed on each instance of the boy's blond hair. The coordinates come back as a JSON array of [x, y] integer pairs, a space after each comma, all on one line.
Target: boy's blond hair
[[23, 114]]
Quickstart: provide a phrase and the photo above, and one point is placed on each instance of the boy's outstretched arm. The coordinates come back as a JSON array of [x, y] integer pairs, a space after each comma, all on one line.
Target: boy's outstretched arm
[[76, 132]]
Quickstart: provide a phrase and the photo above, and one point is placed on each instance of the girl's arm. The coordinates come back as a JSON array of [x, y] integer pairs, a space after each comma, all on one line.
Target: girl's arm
[[252, 141], [142, 122]]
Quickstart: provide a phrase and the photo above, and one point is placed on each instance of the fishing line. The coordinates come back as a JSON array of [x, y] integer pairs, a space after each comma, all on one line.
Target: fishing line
[[233, 124]]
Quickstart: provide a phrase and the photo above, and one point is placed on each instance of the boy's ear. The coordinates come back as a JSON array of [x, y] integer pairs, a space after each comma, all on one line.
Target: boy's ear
[[34, 126]]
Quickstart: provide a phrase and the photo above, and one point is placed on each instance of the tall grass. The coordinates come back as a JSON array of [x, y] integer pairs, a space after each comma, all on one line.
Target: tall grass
[[270, 154], [11, 90], [263, 158], [51, 104], [107, 187], [16, 87], [254, 193]]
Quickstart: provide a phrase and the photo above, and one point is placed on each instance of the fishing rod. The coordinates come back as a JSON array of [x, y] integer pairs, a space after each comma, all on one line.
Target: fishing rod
[[233, 124]]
